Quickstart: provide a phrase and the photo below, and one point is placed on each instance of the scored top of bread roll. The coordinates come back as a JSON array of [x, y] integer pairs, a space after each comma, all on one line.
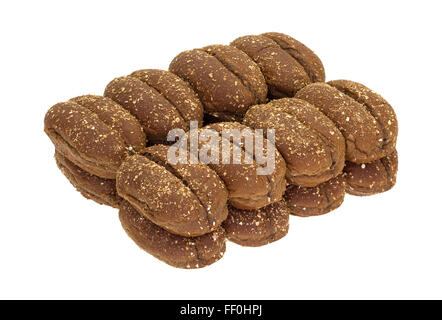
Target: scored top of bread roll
[[95, 133]]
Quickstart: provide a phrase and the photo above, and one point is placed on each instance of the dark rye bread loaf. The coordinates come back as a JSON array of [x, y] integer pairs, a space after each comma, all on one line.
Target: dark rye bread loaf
[[94, 133], [312, 146], [286, 63], [102, 191], [254, 228], [160, 101], [373, 177], [227, 81], [366, 120], [247, 189], [323, 198], [175, 250], [184, 199]]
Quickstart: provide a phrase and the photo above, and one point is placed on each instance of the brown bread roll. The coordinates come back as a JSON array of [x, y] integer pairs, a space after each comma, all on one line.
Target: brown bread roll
[[94, 133], [323, 198], [311, 144], [102, 191], [160, 100], [247, 189], [259, 227], [227, 81], [373, 177], [366, 120], [287, 64], [184, 199], [175, 250]]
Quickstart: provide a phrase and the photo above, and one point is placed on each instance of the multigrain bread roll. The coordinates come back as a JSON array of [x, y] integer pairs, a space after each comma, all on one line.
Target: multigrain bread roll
[[247, 188], [323, 198], [373, 177], [102, 191], [254, 228], [160, 100], [175, 250], [184, 199], [287, 64], [227, 81], [94, 133], [311, 144], [366, 120]]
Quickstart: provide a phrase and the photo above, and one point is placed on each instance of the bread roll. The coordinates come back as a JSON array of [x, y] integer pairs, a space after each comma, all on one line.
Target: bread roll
[[287, 64], [247, 188], [366, 120], [160, 100], [311, 144], [225, 78], [254, 228], [373, 177], [175, 250], [94, 133], [185, 199], [323, 198], [102, 191]]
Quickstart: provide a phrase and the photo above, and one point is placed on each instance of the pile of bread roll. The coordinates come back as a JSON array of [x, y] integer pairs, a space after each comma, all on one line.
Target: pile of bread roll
[[331, 138]]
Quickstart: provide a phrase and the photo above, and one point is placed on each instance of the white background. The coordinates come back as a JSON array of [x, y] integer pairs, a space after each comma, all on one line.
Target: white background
[[56, 244]]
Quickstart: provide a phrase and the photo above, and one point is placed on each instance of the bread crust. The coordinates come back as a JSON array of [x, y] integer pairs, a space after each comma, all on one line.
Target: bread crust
[[254, 228], [175, 250], [287, 64], [184, 199], [367, 121], [100, 190], [247, 189], [158, 100], [227, 81], [312, 146], [325, 197], [94, 132], [373, 177]]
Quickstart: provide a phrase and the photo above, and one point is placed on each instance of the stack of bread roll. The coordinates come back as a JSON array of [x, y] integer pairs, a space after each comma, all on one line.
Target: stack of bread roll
[[330, 138]]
